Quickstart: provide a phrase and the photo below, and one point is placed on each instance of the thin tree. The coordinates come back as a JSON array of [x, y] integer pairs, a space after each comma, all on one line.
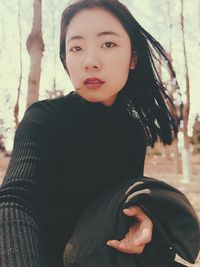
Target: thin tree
[[186, 108], [199, 19], [35, 47], [53, 38], [55, 92], [16, 107], [174, 93]]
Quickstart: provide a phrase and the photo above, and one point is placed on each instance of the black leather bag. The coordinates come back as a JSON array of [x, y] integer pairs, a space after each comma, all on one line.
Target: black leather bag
[[176, 227]]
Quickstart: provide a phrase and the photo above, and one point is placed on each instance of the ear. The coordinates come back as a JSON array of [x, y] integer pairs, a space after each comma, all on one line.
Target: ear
[[133, 62]]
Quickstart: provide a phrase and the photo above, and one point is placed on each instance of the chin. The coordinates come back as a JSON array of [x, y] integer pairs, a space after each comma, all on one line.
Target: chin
[[91, 98]]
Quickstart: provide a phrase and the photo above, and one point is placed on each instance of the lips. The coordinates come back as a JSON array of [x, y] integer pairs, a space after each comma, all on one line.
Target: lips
[[93, 80], [93, 83]]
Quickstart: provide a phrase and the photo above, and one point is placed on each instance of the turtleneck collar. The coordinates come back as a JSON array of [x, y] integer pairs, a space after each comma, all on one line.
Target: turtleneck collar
[[120, 105]]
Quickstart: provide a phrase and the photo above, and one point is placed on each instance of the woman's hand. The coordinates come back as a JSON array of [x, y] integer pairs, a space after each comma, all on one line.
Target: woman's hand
[[138, 235]]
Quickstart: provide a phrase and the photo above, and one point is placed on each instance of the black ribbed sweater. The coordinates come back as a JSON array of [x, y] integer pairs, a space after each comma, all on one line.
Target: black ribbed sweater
[[66, 152]]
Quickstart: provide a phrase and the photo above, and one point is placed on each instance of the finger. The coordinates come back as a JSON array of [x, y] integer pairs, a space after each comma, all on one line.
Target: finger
[[113, 243], [131, 211], [135, 211], [144, 238], [128, 248], [127, 243], [144, 234]]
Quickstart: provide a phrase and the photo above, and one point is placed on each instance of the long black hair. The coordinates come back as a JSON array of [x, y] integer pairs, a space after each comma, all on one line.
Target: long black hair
[[144, 92]]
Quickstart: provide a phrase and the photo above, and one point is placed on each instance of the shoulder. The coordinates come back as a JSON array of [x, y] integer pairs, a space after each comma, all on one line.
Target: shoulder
[[55, 105], [49, 116], [53, 110]]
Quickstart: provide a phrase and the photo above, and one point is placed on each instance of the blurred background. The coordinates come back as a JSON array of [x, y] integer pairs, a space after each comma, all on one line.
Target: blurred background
[[30, 70]]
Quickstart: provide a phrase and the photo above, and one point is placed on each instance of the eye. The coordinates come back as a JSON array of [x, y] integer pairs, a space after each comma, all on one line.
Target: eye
[[109, 44], [75, 49]]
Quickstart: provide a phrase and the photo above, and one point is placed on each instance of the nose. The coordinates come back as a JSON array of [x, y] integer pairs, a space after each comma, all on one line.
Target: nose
[[91, 62]]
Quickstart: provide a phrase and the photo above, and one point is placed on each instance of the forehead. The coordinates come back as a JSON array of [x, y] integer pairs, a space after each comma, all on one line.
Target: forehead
[[94, 20]]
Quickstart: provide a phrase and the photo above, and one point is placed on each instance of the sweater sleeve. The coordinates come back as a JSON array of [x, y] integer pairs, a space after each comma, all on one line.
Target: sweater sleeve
[[19, 228]]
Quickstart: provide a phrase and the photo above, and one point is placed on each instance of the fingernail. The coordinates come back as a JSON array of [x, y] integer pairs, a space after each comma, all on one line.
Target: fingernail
[[125, 210]]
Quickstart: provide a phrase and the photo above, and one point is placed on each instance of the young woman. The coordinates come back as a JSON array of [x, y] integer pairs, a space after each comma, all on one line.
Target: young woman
[[67, 151]]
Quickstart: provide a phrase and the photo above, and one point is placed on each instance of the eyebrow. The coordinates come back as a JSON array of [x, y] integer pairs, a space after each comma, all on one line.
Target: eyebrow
[[79, 37]]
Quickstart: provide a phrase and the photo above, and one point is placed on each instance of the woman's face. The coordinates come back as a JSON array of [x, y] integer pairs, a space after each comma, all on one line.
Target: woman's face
[[98, 55]]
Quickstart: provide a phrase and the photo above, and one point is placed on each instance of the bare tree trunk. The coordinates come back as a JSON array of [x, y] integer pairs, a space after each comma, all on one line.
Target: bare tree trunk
[[199, 19], [53, 39], [170, 25], [35, 47], [16, 108], [199, 12], [174, 89], [54, 92], [186, 109]]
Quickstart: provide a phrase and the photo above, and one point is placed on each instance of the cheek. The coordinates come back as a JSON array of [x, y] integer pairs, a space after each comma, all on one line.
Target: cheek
[[120, 69], [70, 64], [121, 60], [73, 69], [118, 80]]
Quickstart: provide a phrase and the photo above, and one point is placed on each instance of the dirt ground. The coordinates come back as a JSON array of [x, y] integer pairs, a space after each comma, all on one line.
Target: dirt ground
[[160, 167], [164, 169]]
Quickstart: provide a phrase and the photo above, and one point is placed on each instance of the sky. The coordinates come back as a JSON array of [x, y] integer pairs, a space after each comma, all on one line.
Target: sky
[[152, 15]]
